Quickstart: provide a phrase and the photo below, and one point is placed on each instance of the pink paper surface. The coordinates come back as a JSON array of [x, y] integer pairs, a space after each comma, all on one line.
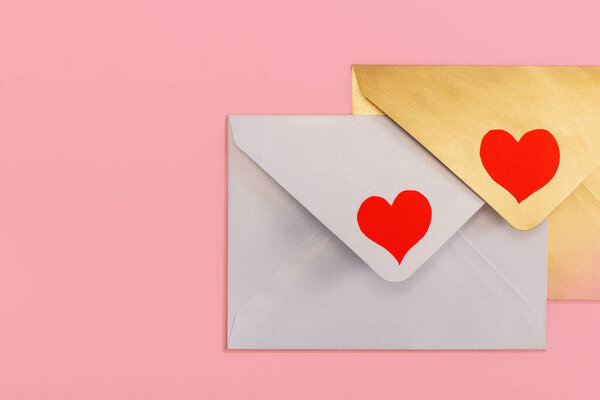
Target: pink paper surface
[[112, 171]]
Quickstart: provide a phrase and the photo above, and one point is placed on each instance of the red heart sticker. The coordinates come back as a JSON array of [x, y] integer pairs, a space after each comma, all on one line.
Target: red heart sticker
[[522, 167], [397, 227]]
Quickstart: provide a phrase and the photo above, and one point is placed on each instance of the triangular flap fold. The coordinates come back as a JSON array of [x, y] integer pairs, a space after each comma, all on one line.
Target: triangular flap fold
[[333, 164]]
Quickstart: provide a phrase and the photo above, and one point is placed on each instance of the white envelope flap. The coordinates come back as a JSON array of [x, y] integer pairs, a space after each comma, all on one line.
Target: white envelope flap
[[369, 182]]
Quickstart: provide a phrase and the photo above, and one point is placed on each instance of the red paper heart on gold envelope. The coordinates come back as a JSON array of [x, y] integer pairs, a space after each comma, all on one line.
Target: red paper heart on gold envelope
[[396, 227], [522, 167]]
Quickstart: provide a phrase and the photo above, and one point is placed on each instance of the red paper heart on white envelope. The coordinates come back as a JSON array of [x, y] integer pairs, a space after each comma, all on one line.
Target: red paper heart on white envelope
[[396, 227]]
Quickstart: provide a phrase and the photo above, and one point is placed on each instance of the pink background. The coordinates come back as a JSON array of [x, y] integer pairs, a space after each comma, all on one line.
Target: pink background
[[112, 174]]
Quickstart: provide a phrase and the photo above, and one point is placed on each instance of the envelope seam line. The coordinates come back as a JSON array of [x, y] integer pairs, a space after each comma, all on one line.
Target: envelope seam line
[[590, 191], [266, 282], [501, 274]]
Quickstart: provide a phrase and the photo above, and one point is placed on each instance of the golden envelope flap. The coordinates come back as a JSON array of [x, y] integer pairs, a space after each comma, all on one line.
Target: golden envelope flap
[[521, 137]]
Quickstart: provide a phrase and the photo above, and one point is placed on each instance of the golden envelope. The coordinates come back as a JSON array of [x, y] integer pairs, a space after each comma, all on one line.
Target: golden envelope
[[451, 109]]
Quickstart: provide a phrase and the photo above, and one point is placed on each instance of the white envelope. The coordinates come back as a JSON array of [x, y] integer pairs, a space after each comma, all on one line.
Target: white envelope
[[303, 275]]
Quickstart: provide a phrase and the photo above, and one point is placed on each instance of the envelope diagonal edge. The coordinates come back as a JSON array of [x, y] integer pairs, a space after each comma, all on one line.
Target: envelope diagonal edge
[[323, 163], [300, 248], [592, 183], [512, 260], [299, 220], [541, 318]]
